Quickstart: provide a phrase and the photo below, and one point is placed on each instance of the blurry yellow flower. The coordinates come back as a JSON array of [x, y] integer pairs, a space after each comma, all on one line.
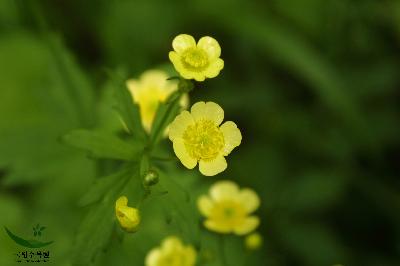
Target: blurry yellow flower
[[253, 241], [228, 209], [149, 90], [171, 253], [128, 217], [197, 137], [196, 61]]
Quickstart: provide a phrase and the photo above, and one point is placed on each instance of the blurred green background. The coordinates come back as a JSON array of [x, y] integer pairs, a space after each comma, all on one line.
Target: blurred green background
[[314, 86]]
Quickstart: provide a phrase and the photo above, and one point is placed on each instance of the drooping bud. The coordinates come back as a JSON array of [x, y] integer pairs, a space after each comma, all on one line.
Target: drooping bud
[[128, 217]]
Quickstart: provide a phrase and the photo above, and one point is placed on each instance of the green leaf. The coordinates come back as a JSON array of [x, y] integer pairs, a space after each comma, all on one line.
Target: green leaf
[[96, 228], [75, 82], [103, 145], [102, 185], [94, 233], [128, 110]]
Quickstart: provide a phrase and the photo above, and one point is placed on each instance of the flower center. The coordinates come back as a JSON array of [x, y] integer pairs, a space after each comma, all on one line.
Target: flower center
[[228, 212], [203, 140], [195, 59]]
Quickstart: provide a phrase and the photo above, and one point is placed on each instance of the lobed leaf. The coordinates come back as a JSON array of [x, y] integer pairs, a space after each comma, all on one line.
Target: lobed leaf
[[128, 110], [103, 145], [102, 185], [97, 226]]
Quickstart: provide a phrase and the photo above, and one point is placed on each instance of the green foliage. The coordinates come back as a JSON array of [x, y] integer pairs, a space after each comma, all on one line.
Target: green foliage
[[97, 226], [128, 110], [312, 84], [104, 145]]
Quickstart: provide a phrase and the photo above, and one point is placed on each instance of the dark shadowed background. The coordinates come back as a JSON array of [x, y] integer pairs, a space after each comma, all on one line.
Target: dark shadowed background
[[314, 86]]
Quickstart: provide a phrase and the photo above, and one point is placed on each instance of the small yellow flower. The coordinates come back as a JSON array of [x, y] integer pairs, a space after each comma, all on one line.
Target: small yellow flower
[[128, 217], [197, 137], [149, 90], [228, 209], [196, 61], [253, 241], [171, 253]]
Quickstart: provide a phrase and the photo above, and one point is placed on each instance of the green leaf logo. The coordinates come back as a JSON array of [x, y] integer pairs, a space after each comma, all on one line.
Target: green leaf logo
[[33, 243]]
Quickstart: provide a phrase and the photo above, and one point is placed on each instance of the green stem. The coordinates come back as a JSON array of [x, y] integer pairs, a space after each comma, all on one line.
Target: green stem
[[172, 101], [221, 245]]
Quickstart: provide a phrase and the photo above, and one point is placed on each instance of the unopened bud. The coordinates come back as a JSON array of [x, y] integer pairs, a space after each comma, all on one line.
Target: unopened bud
[[151, 178], [185, 85]]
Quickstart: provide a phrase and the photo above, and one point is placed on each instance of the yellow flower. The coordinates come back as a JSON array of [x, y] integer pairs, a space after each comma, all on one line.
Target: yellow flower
[[171, 253], [196, 61], [228, 209], [253, 241], [149, 90], [197, 137], [128, 217]]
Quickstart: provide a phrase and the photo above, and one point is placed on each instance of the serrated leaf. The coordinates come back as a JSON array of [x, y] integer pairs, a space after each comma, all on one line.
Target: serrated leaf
[[97, 226], [94, 233], [128, 110], [103, 145], [102, 185]]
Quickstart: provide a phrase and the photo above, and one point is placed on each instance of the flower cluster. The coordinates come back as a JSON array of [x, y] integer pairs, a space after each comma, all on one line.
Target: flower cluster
[[199, 137]]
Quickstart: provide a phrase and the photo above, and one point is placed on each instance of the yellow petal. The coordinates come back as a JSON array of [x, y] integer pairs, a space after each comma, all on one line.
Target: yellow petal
[[205, 205], [214, 68], [210, 111], [121, 201], [213, 167], [211, 46], [222, 190], [198, 76], [129, 218], [232, 136], [152, 257], [249, 199], [183, 42], [179, 125], [134, 88], [181, 153], [190, 256], [171, 243], [213, 225], [249, 224], [154, 78], [176, 61]]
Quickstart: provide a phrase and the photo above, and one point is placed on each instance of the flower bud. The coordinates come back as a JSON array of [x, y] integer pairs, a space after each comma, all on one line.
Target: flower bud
[[151, 178], [185, 85], [253, 241], [128, 217]]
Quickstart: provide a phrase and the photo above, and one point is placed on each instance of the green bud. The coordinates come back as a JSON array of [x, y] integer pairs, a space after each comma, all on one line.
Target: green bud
[[151, 178], [185, 85]]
